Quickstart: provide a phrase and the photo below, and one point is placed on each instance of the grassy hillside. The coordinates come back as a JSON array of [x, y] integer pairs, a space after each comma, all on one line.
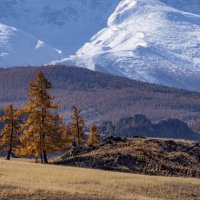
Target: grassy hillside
[[23, 180], [138, 155], [102, 97]]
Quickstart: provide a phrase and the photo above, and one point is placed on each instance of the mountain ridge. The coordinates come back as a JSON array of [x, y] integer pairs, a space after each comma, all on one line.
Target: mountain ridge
[[102, 97], [140, 126]]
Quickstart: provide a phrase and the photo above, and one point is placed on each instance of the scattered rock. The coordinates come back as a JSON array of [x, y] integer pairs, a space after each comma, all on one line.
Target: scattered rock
[[111, 140]]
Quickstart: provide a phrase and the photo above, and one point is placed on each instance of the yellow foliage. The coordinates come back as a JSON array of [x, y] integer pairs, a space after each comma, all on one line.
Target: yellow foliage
[[10, 133], [94, 136], [77, 126], [43, 129]]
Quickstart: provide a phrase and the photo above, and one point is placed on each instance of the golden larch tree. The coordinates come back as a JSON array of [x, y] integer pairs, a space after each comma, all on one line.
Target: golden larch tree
[[77, 127], [94, 135], [10, 133], [43, 129]]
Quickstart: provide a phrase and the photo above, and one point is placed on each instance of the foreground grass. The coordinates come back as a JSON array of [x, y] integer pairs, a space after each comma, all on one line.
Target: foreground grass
[[23, 180]]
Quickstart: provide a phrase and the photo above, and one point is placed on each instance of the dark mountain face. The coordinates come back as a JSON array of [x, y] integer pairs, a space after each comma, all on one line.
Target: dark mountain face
[[102, 97], [139, 125]]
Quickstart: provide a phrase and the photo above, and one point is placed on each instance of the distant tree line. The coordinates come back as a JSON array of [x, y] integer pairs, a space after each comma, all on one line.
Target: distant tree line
[[36, 129]]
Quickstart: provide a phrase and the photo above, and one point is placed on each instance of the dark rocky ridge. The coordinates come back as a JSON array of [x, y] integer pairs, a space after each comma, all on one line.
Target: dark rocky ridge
[[139, 125]]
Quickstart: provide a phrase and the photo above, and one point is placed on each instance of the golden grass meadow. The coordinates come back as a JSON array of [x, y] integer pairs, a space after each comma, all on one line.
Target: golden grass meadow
[[26, 180]]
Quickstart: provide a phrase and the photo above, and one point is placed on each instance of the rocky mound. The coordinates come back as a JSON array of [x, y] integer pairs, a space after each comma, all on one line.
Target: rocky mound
[[140, 155]]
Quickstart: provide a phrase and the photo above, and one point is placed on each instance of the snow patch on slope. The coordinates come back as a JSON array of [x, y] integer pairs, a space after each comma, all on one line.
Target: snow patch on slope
[[39, 44], [19, 48]]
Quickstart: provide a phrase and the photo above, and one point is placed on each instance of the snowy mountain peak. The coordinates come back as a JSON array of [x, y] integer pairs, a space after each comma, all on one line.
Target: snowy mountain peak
[[149, 40], [121, 12]]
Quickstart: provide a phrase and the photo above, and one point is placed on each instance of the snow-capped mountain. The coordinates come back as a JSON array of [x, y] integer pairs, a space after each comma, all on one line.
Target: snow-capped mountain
[[156, 41], [21, 49]]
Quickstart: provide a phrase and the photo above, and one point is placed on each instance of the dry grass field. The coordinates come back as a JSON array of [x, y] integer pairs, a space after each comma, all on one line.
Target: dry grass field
[[24, 180]]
